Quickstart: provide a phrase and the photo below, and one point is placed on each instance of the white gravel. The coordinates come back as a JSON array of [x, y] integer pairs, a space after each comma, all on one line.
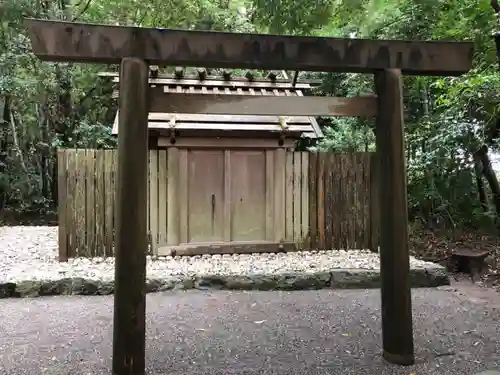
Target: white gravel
[[30, 253]]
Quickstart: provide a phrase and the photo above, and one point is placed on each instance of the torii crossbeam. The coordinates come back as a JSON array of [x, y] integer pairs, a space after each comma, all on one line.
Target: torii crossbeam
[[135, 48]]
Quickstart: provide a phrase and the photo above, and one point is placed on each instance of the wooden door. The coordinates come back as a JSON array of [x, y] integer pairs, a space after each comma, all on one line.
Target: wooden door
[[248, 195], [206, 196]]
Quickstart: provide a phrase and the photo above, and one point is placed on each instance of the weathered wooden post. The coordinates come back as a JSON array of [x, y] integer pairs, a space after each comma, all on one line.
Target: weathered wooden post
[[129, 332], [397, 330]]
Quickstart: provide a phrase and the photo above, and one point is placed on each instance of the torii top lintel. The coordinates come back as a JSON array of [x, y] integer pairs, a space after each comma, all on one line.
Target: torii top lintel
[[77, 42]]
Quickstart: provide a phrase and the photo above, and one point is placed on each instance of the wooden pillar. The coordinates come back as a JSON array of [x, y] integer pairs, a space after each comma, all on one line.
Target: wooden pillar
[[397, 330], [131, 231]]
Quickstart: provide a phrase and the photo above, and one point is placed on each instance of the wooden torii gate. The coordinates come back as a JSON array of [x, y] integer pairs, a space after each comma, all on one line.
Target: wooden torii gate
[[135, 48]]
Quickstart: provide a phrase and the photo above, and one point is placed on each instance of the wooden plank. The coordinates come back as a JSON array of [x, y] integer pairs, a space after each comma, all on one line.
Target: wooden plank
[[115, 199], [129, 334], [197, 142], [78, 42], [100, 249], [195, 117], [304, 200], [221, 104], [233, 247], [297, 206], [183, 196], [230, 127], [343, 201], [313, 200], [331, 189], [153, 200], [172, 198], [90, 223], [374, 204], [71, 204], [80, 204], [321, 200], [351, 205], [289, 196], [334, 202], [109, 187], [162, 197], [217, 83], [270, 195], [62, 203], [279, 194], [397, 328], [227, 196], [367, 193], [357, 174]]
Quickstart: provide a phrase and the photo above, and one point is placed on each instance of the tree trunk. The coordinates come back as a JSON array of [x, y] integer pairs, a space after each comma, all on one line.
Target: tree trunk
[[15, 143], [4, 146], [480, 185], [489, 174]]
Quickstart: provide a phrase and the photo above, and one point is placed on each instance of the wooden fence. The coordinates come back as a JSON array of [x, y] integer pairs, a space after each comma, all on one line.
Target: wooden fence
[[320, 201]]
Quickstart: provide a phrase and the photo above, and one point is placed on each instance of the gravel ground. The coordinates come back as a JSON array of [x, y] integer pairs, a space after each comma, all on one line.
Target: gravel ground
[[280, 333], [30, 253]]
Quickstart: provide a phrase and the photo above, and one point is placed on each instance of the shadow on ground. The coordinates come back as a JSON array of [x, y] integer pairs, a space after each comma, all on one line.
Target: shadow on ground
[[222, 332]]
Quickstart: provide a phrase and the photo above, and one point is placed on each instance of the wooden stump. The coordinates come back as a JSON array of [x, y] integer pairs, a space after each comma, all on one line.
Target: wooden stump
[[468, 261]]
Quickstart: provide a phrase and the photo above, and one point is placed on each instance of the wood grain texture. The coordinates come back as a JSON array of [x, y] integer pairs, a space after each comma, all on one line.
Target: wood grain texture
[[109, 185], [397, 329], [313, 200], [62, 206], [221, 104], [129, 334], [78, 42], [239, 184]]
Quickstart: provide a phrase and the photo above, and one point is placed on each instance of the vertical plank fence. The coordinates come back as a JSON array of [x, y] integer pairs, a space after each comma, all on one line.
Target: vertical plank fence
[[318, 200]]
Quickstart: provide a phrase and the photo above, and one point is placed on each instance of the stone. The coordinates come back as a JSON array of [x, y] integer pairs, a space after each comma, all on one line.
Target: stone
[[237, 282], [106, 288], [210, 281], [350, 279], [153, 285], [28, 288], [7, 290], [56, 287], [84, 287]]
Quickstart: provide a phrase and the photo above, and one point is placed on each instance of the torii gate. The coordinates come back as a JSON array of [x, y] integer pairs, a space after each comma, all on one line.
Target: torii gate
[[135, 48]]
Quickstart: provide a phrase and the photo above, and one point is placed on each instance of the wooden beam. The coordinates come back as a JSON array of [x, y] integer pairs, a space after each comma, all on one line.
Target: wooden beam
[[231, 127], [77, 42], [397, 330], [211, 83], [131, 239], [230, 142], [221, 104], [194, 117], [234, 247]]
